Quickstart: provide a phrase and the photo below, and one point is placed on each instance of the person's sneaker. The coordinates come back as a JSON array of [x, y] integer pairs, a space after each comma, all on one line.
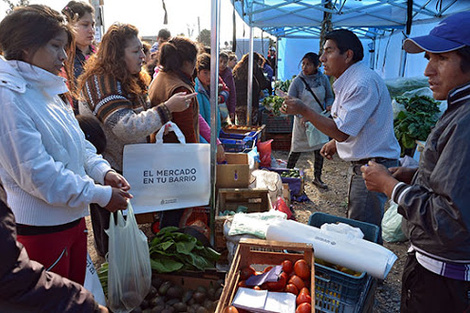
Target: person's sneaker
[[319, 183]]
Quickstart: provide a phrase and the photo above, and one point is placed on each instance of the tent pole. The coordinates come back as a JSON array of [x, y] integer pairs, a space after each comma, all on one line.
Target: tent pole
[[214, 95], [249, 95], [403, 57]]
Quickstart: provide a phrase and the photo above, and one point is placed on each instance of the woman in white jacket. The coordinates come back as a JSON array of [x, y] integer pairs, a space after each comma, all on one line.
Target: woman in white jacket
[[50, 172]]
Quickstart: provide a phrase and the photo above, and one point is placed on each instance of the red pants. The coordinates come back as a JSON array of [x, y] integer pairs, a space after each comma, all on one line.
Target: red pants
[[63, 252]]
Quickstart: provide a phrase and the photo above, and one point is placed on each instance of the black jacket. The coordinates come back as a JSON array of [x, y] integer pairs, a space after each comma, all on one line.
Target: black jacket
[[436, 206], [25, 286]]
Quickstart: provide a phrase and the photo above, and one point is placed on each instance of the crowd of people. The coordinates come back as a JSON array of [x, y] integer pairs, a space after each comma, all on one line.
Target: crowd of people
[[69, 107]]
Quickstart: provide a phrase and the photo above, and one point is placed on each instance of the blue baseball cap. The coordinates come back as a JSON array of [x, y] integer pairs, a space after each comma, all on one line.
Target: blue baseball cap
[[154, 48], [450, 34]]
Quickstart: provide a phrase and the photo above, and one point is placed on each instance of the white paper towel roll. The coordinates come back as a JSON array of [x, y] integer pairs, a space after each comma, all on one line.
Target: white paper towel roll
[[356, 254]]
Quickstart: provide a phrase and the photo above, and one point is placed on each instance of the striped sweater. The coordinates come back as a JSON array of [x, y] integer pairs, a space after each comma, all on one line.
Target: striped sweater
[[125, 118]]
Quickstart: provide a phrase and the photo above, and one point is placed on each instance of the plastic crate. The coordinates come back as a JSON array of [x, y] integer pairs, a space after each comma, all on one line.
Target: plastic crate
[[277, 124], [234, 145], [296, 184], [336, 291], [281, 142]]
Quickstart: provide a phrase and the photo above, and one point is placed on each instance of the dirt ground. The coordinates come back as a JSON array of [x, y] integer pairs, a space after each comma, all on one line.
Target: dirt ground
[[332, 201]]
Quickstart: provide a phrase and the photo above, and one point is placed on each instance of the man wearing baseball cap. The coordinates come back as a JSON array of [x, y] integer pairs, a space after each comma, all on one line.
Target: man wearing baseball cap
[[435, 198]]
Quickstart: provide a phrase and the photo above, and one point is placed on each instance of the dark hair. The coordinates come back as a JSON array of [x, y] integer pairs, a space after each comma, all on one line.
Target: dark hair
[[29, 28], [146, 47], [464, 53], [164, 34], [93, 132], [241, 69], [174, 52], [347, 40], [312, 57], [223, 56], [75, 10], [203, 62], [109, 60]]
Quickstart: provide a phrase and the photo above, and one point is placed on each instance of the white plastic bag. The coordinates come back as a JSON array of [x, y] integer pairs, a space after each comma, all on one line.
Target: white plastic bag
[[129, 273], [391, 224]]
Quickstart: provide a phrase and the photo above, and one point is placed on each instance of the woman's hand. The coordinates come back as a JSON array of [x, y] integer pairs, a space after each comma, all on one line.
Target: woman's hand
[[114, 179], [180, 101], [118, 200], [329, 149]]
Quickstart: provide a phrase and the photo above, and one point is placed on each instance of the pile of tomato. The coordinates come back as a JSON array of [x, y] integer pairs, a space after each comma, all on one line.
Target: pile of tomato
[[294, 278]]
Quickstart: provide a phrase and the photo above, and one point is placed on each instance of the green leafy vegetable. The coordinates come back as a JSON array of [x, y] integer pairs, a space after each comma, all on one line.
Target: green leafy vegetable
[[416, 121], [171, 250], [273, 104]]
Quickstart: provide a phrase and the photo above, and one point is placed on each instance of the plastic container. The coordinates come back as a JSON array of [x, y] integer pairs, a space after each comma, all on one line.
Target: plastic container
[[336, 291], [234, 145], [277, 124]]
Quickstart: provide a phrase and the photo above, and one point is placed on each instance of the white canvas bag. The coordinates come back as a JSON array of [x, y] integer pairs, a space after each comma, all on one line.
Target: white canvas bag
[[166, 176]]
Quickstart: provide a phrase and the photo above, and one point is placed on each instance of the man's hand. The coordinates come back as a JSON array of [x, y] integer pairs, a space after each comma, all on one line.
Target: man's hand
[[378, 178], [329, 149], [114, 179], [293, 106], [404, 174]]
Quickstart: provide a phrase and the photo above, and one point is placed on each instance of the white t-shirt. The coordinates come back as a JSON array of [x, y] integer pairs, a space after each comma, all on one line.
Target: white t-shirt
[[363, 110]]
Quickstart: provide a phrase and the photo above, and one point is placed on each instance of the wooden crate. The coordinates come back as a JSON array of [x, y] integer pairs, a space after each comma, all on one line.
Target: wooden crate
[[256, 200], [264, 252]]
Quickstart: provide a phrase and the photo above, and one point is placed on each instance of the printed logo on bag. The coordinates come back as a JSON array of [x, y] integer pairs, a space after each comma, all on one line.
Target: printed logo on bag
[[169, 176], [326, 240], [168, 201]]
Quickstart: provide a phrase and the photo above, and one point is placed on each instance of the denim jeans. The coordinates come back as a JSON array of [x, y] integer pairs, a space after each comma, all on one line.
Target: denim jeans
[[364, 205]]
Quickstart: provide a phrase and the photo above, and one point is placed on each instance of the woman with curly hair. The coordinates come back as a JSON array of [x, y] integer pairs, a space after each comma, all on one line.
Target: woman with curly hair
[[114, 90]]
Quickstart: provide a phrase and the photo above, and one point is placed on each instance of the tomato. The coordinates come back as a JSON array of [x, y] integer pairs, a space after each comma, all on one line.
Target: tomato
[[267, 269], [292, 289], [297, 281], [304, 290], [303, 298], [304, 308], [277, 285], [231, 309], [302, 269], [287, 266], [246, 272]]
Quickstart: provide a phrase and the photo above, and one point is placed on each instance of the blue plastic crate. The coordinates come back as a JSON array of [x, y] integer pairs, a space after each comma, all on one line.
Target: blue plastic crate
[[233, 145], [336, 291]]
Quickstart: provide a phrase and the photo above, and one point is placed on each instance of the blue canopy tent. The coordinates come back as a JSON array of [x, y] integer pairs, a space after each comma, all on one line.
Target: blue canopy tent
[[382, 26], [379, 23]]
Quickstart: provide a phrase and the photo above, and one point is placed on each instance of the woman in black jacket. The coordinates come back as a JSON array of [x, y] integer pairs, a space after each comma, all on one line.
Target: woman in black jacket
[[240, 75]]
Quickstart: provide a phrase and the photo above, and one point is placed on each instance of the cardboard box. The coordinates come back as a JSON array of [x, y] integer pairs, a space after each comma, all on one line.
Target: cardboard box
[[234, 174], [257, 252], [286, 193]]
